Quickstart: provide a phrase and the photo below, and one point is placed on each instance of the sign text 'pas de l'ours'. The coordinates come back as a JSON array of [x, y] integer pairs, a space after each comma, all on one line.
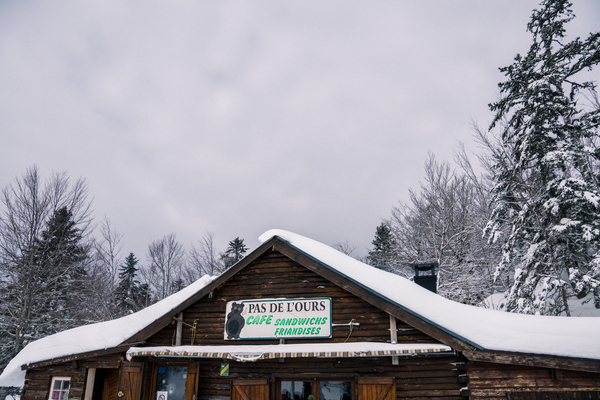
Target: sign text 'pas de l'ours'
[[278, 319]]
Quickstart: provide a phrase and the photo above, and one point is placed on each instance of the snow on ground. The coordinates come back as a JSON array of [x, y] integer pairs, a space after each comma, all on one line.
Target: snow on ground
[[93, 337], [484, 328]]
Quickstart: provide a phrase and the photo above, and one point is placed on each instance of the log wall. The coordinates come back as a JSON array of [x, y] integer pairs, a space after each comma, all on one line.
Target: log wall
[[435, 377], [37, 381], [276, 276], [496, 381], [416, 378]]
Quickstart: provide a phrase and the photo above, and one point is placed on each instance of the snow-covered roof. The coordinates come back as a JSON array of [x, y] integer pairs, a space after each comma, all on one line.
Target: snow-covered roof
[[484, 328], [93, 337]]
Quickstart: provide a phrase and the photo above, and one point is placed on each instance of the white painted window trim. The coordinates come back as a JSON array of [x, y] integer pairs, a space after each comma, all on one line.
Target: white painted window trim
[[59, 378]]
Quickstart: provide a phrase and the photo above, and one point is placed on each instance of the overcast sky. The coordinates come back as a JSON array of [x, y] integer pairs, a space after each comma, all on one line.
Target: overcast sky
[[237, 117]]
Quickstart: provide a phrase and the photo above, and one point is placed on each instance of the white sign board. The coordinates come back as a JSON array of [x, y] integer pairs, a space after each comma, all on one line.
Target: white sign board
[[278, 319]]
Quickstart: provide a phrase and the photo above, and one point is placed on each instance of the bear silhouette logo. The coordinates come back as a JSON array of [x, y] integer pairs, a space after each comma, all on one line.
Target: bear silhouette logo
[[235, 322]]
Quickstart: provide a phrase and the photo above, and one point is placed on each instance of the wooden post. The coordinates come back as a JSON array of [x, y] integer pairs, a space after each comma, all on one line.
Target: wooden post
[[179, 329], [394, 337], [89, 384]]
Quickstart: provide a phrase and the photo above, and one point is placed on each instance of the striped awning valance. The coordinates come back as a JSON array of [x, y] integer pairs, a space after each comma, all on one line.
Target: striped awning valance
[[261, 352]]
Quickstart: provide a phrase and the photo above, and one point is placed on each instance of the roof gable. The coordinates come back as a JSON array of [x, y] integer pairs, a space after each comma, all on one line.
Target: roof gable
[[275, 275]]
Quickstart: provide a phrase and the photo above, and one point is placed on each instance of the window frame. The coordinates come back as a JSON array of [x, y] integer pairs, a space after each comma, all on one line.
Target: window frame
[[316, 392], [61, 390], [153, 372]]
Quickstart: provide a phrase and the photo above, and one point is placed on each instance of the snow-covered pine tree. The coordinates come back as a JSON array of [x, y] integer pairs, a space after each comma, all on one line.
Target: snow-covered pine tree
[[383, 255], [127, 294], [550, 199], [234, 252], [61, 255], [29, 251]]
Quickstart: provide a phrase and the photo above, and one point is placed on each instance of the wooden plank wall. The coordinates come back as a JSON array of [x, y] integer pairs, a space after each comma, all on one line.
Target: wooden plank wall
[[37, 381], [494, 381], [276, 276], [578, 395], [417, 378]]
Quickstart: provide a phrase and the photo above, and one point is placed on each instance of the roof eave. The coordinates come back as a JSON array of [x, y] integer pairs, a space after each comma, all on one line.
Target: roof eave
[[533, 360]]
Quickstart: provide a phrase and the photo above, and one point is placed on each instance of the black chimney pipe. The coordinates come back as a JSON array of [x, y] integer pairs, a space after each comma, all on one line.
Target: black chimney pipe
[[425, 275]]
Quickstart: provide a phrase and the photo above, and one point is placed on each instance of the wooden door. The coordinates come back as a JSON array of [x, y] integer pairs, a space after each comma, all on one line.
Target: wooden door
[[111, 384], [250, 389], [376, 389], [130, 382]]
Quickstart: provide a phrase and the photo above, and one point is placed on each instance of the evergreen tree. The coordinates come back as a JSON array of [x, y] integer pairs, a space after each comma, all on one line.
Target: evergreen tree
[[61, 256], [48, 285], [383, 255], [60, 244], [234, 252], [43, 258], [177, 285], [129, 296], [144, 296], [549, 200]]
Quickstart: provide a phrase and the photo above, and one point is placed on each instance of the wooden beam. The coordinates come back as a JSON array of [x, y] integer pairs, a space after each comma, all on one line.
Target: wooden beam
[[394, 337], [533, 360], [101, 364], [179, 331], [89, 384], [75, 357], [556, 374]]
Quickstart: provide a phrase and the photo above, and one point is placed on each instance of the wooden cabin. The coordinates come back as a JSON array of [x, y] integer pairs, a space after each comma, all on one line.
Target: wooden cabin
[[295, 319]]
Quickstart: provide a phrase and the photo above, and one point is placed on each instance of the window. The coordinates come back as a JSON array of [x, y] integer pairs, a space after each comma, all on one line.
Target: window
[[295, 390], [59, 388], [170, 382], [320, 388], [335, 390]]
